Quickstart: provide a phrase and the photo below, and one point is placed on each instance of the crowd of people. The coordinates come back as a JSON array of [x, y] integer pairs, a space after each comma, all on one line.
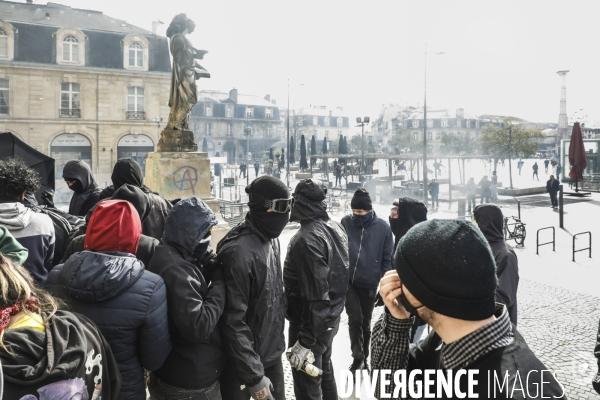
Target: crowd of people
[[140, 302]]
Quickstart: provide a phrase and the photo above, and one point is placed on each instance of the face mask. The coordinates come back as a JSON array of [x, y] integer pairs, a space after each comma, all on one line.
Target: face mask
[[361, 220], [409, 307], [270, 224], [393, 224], [201, 249], [77, 187]]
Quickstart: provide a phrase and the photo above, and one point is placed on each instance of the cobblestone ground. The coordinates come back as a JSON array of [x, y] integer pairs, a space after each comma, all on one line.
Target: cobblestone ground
[[559, 326]]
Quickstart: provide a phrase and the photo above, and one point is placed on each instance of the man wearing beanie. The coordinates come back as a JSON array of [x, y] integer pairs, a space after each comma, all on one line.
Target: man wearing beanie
[[314, 277], [490, 221], [254, 316], [445, 273], [370, 245]]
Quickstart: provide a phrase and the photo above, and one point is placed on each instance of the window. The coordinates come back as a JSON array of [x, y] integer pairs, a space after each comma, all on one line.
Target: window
[[458, 123], [415, 135], [326, 121], [430, 123], [4, 96], [208, 129], [315, 121], [229, 130], [135, 103], [70, 100], [415, 124], [268, 113], [340, 122], [70, 49], [136, 55], [468, 124], [268, 132], [476, 124], [300, 121], [429, 135], [208, 110], [228, 112], [3, 43], [339, 133], [444, 123], [327, 135], [249, 112]]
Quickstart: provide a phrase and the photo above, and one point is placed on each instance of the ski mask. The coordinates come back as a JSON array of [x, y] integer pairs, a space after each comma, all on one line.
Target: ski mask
[[77, 187], [202, 248], [270, 224], [361, 220]]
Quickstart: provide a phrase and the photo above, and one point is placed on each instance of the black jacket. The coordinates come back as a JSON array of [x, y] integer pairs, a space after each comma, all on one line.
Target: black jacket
[[254, 316], [485, 186], [597, 347], [491, 223], [411, 212], [315, 274], [144, 253], [82, 202], [128, 304], [198, 356], [376, 244], [552, 186], [434, 188], [77, 359]]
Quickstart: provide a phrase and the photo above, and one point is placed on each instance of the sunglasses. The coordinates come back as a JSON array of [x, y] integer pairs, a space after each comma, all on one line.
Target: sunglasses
[[276, 205]]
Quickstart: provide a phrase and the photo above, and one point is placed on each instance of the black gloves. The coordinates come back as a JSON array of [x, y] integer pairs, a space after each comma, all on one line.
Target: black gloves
[[211, 266]]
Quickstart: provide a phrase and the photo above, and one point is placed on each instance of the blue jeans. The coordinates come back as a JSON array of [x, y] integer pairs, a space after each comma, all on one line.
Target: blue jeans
[[159, 390]]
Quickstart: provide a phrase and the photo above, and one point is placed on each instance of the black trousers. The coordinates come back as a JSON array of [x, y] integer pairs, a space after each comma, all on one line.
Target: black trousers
[[471, 200], [359, 307], [306, 386], [230, 383], [256, 170], [435, 199], [535, 174], [554, 199]]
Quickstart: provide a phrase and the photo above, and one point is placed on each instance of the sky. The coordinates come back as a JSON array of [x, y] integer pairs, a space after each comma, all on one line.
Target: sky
[[499, 57]]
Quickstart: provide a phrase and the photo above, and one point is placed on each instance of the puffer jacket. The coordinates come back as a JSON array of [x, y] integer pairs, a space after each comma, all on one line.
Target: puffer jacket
[[144, 253], [411, 212], [113, 289], [195, 306], [254, 317], [491, 223], [315, 273], [375, 242], [82, 202]]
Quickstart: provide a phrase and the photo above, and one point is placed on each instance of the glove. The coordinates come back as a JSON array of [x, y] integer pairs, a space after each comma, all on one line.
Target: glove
[[298, 354], [210, 263], [263, 390], [48, 198], [596, 382], [379, 300]]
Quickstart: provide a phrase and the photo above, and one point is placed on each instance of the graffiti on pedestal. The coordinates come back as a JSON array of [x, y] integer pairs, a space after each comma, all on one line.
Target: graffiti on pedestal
[[185, 178]]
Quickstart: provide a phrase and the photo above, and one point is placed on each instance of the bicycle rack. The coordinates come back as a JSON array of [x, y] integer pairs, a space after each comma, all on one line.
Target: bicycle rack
[[587, 248], [537, 241]]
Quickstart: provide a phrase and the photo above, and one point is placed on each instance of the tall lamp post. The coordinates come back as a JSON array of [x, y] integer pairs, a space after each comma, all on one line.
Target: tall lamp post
[[287, 169], [362, 124], [247, 132]]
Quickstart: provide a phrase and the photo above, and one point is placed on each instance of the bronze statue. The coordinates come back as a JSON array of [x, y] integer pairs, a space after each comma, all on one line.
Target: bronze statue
[[184, 94]]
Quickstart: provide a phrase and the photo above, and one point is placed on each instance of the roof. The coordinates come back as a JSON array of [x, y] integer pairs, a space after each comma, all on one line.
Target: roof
[[65, 16], [244, 99], [321, 112]]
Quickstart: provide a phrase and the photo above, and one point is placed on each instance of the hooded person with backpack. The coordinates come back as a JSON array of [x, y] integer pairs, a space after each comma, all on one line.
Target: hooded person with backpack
[[79, 178]]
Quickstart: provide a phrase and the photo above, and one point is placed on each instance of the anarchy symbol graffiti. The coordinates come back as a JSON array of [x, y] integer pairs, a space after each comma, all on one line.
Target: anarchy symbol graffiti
[[185, 178]]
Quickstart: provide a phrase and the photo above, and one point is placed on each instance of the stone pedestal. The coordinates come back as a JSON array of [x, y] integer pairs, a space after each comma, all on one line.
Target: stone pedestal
[[174, 141], [176, 175]]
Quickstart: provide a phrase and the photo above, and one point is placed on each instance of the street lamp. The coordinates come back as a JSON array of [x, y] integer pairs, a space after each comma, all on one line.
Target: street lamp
[[287, 169], [362, 123], [247, 132]]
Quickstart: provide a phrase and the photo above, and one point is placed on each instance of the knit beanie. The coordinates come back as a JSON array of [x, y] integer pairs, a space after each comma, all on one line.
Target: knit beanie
[[311, 189], [269, 188], [448, 267], [361, 200]]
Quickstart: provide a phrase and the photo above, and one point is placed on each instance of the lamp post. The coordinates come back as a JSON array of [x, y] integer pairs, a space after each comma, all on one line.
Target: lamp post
[[362, 124], [247, 132], [287, 169]]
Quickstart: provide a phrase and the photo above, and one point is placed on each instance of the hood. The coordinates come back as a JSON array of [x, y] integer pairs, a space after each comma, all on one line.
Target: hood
[[127, 171], [490, 220], [95, 277], [11, 248], [114, 226], [411, 212], [309, 201], [80, 170], [30, 360], [15, 216], [187, 223], [136, 197]]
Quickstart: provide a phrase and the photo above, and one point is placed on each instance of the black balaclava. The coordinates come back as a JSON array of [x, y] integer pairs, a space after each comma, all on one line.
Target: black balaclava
[[77, 187], [79, 170], [135, 196], [309, 201], [127, 171], [270, 224]]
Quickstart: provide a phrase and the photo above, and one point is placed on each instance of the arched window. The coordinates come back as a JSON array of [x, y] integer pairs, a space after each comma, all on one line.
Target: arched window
[[3, 43], [136, 55], [326, 121], [70, 49]]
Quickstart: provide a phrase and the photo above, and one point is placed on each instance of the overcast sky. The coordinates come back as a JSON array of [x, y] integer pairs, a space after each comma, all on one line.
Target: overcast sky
[[501, 57]]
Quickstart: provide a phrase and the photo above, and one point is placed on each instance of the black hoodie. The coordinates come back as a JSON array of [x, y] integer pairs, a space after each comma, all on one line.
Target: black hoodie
[[411, 212], [490, 220], [70, 358], [90, 193]]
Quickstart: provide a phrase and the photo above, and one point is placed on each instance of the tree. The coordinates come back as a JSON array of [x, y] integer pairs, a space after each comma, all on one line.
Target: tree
[[313, 150], [404, 141], [303, 163], [292, 154], [509, 141], [204, 146], [357, 143], [461, 144]]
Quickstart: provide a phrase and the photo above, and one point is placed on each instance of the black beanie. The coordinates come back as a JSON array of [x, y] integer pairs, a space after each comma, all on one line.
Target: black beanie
[[135, 196], [311, 189], [361, 200], [269, 188], [448, 266]]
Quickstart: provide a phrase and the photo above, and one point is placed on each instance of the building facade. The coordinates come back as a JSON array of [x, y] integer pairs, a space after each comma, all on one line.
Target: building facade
[[224, 119], [391, 120], [318, 121], [78, 84]]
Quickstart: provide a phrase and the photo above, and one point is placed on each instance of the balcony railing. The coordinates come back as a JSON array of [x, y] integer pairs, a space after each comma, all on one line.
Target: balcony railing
[[70, 112], [140, 115]]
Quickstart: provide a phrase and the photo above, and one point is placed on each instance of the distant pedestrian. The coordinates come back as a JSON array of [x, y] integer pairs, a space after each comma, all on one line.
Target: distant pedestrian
[[552, 188], [434, 191], [486, 191], [535, 171], [338, 174], [520, 165], [494, 186], [256, 168], [242, 169], [471, 189], [558, 171], [546, 162]]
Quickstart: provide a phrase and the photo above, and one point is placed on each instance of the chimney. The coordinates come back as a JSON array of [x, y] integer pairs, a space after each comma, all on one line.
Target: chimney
[[155, 26], [233, 95], [460, 113], [563, 120], [274, 101], [268, 98]]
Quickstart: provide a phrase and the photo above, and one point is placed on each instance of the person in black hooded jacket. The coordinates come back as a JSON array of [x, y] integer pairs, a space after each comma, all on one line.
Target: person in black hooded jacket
[[315, 276], [490, 221], [196, 299], [128, 171], [78, 176], [596, 378], [254, 317]]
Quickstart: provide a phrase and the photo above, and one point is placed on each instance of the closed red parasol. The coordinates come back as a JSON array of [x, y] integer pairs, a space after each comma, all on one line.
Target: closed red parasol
[[577, 156]]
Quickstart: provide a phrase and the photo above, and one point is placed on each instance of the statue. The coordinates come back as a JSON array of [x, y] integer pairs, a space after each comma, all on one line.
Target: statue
[[177, 135]]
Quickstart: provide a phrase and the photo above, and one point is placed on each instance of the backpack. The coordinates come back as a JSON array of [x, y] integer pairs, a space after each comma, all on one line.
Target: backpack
[[64, 224]]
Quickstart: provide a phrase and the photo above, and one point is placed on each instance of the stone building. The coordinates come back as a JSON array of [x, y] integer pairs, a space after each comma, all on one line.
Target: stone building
[[224, 118], [391, 120], [80, 84], [320, 121]]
